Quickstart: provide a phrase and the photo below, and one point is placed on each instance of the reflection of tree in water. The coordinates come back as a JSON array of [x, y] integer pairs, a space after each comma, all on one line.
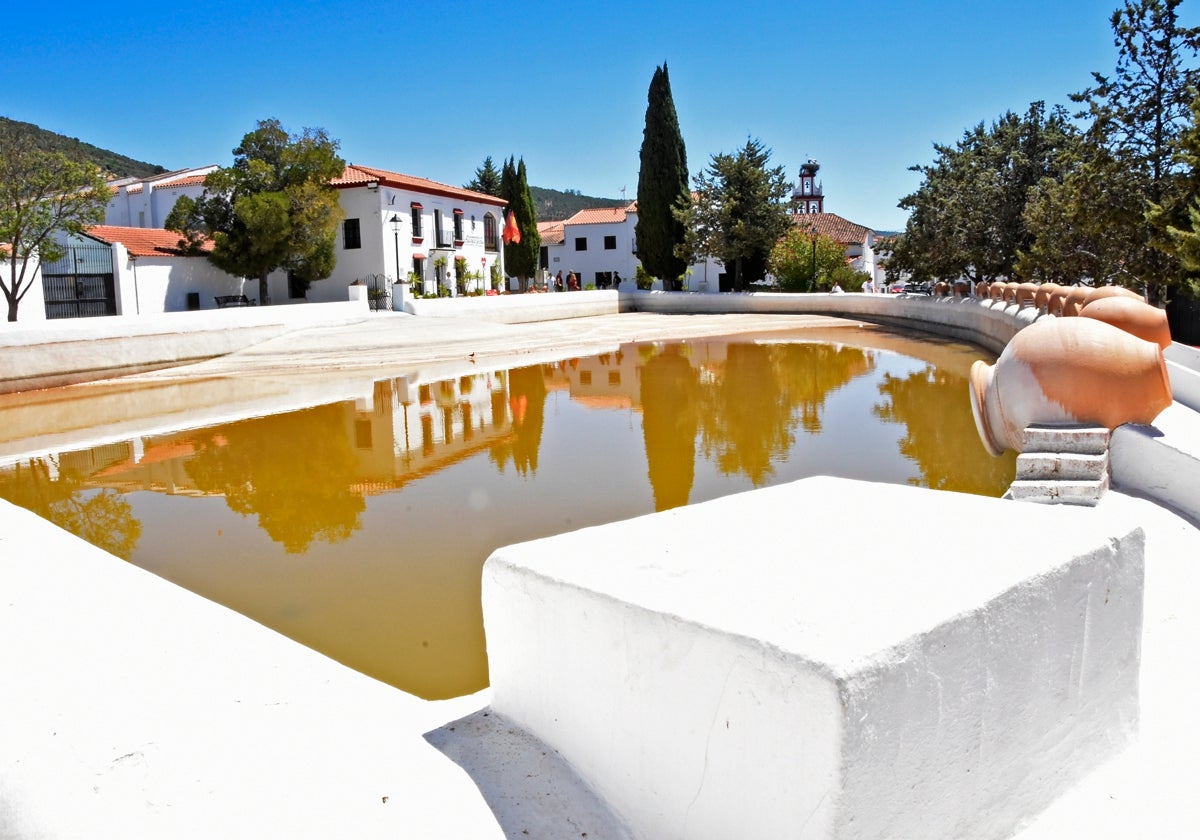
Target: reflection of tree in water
[[669, 397], [941, 439], [749, 415], [293, 470], [101, 517], [527, 406]]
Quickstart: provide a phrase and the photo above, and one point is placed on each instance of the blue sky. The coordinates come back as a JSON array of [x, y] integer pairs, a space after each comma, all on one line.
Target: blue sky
[[865, 88]]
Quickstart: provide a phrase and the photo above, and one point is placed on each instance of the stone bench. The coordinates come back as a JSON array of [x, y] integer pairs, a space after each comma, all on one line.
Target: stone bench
[[781, 664]]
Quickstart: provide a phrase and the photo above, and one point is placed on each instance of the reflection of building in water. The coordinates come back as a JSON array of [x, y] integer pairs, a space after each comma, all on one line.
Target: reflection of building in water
[[614, 380], [406, 429], [402, 431]]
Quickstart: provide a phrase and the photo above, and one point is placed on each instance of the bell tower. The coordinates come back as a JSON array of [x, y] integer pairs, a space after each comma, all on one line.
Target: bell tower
[[809, 196]]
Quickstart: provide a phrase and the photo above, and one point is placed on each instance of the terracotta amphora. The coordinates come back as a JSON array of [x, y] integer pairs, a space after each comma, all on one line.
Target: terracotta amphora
[[1044, 291], [1133, 315], [1074, 299], [1067, 371], [1101, 292], [1025, 294], [982, 289]]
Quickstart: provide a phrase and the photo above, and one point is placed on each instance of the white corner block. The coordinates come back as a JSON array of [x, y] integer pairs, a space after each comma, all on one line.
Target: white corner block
[[774, 665]]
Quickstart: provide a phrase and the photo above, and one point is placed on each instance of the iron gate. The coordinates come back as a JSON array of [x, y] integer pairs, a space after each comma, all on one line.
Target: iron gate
[[80, 285], [379, 292]]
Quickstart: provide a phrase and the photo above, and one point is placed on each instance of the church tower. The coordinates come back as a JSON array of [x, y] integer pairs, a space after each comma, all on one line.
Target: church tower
[[809, 196]]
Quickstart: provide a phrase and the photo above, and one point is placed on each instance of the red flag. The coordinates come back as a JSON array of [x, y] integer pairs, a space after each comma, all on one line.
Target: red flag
[[512, 233]]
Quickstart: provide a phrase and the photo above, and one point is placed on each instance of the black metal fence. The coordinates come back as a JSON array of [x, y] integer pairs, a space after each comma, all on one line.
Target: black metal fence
[[80, 285]]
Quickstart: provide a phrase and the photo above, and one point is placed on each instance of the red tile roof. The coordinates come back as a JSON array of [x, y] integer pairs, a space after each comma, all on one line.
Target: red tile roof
[[832, 226], [551, 233], [599, 216], [142, 242], [359, 176], [189, 181]]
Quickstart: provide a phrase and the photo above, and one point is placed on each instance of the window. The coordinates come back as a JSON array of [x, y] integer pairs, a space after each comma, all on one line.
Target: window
[[458, 227], [614, 377], [585, 377], [351, 235], [439, 233], [580, 243], [490, 241], [610, 243], [418, 235]]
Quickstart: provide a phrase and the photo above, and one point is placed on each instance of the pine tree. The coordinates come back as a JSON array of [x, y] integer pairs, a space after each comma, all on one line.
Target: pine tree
[[662, 184], [486, 180]]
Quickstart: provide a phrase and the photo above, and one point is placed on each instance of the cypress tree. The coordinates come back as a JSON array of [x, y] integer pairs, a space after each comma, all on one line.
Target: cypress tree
[[520, 258], [662, 183]]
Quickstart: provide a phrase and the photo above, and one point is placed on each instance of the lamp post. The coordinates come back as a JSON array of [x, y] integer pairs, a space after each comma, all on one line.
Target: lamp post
[[396, 222], [812, 280]]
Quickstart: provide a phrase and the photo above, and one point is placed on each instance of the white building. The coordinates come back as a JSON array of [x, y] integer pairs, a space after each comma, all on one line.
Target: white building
[[397, 225], [145, 202], [600, 244]]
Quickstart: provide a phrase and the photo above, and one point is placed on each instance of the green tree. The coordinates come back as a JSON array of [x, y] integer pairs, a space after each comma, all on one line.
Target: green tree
[[738, 213], [520, 258], [662, 185], [41, 193], [273, 209], [1130, 187], [968, 214], [801, 257], [486, 180]]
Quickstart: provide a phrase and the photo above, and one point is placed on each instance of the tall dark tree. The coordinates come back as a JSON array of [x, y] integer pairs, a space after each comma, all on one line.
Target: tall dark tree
[[739, 212], [273, 209], [662, 185], [520, 258], [486, 180]]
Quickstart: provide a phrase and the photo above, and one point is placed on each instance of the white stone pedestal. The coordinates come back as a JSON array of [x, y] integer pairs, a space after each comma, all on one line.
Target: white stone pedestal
[[778, 664]]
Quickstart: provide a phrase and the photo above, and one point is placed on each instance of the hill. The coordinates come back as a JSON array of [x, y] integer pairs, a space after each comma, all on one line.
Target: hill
[[113, 164], [556, 205]]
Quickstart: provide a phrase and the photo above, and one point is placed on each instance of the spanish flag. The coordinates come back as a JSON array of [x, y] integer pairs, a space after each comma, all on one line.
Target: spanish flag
[[512, 233]]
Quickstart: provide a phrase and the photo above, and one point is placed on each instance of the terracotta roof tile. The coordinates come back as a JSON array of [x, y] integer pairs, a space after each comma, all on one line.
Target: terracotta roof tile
[[551, 233], [599, 216], [832, 226], [357, 176], [142, 242], [189, 181]]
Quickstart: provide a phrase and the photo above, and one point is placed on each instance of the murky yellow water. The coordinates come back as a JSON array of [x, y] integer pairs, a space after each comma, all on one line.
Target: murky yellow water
[[359, 526]]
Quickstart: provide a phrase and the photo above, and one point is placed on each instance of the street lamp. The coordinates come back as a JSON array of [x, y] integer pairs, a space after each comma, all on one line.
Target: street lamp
[[812, 280], [395, 221]]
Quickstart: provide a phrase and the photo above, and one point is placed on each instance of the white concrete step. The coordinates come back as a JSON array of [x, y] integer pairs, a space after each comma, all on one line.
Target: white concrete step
[[1083, 440], [1059, 492], [1047, 466]]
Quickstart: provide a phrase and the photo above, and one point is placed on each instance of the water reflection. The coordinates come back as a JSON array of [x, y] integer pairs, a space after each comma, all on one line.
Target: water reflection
[[54, 489], [358, 526], [294, 471]]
